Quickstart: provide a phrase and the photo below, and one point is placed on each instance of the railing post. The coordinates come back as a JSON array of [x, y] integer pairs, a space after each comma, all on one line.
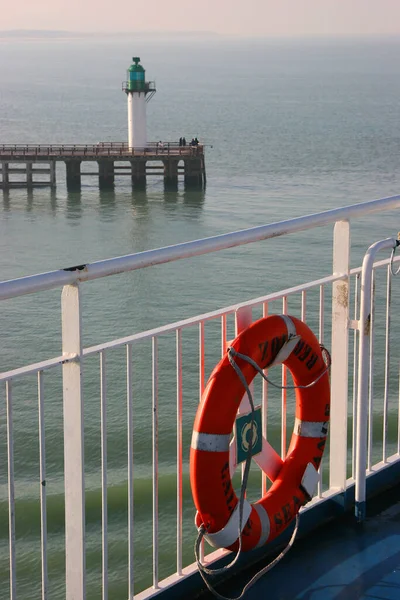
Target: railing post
[[243, 319], [364, 328], [73, 444], [339, 354]]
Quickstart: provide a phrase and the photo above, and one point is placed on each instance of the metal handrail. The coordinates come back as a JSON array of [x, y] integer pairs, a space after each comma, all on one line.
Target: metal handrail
[[101, 149], [140, 260], [149, 86]]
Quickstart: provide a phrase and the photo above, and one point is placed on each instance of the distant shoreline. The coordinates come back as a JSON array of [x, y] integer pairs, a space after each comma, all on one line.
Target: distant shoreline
[[60, 34], [42, 35]]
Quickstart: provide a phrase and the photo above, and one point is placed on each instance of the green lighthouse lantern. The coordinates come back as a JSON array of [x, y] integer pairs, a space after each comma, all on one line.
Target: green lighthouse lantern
[[136, 77], [138, 92]]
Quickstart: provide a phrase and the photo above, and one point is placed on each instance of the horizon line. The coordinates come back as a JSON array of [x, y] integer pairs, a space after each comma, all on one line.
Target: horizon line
[[64, 32]]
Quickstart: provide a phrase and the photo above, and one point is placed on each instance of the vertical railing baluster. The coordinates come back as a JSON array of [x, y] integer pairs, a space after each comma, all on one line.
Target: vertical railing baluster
[[387, 362], [398, 413], [74, 476], [355, 380], [42, 476], [284, 392], [304, 319], [321, 337], [243, 319], [223, 335], [370, 433], [103, 435], [201, 390], [201, 358], [155, 457], [303, 305], [11, 491], [179, 508], [129, 405], [264, 411], [321, 324]]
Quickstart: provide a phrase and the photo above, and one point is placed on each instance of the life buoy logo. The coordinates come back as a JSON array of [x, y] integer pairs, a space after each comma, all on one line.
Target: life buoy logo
[[248, 429], [249, 434]]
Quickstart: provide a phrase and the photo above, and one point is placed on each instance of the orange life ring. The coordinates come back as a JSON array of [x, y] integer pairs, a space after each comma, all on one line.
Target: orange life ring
[[271, 340]]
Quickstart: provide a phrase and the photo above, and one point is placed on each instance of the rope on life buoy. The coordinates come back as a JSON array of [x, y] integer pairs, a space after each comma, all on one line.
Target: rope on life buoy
[[235, 523]]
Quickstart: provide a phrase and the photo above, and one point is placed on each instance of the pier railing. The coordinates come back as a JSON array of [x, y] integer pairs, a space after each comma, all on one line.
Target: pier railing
[[100, 150], [348, 328]]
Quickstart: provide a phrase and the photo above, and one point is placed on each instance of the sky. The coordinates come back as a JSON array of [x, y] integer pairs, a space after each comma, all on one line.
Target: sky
[[248, 18]]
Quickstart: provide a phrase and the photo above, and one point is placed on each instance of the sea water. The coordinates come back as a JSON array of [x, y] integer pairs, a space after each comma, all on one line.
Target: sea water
[[289, 127]]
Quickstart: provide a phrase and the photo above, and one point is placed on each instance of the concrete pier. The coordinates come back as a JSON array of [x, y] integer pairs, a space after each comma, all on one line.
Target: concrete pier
[[27, 172], [170, 161], [138, 173], [193, 172], [106, 173], [171, 172], [73, 173], [5, 175], [52, 173], [29, 175]]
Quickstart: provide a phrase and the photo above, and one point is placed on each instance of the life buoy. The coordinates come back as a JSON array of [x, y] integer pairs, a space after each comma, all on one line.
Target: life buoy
[[271, 340]]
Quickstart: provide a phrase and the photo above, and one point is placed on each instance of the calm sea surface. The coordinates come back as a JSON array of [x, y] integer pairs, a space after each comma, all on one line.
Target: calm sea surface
[[291, 128]]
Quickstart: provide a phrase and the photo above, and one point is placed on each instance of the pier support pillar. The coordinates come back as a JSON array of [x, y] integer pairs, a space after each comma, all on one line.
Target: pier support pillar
[[29, 175], [170, 173], [52, 166], [73, 167], [138, 173], [106, 173], [193, 172], [5, 175], [203, 169]]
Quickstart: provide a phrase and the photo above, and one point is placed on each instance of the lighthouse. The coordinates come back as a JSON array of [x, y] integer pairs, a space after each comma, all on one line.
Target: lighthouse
[[139, 92]]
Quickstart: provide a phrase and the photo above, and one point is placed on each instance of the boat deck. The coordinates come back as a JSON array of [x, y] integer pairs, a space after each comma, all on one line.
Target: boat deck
[[340, 561]]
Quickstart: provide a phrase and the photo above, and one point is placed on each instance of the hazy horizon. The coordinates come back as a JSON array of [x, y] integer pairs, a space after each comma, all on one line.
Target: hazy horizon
[[257, 18], [198, 34]]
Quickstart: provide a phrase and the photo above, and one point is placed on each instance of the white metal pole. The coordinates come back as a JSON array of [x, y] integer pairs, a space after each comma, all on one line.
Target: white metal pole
[[42, 473], [11, 491], [75, 567], [129, 403], [339, 353], [363, 362]]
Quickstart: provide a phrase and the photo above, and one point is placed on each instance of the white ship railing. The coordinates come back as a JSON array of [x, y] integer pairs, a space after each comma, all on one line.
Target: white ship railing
[[336, 319]]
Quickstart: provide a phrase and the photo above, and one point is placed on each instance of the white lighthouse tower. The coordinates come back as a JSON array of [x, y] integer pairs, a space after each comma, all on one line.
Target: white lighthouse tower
[[139, 92]]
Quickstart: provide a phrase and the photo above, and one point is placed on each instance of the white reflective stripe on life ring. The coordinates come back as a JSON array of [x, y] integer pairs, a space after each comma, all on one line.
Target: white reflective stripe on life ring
[[229, 534], [210, 442], [310, 480], [311, 429], [290, 345], [265, 524]]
